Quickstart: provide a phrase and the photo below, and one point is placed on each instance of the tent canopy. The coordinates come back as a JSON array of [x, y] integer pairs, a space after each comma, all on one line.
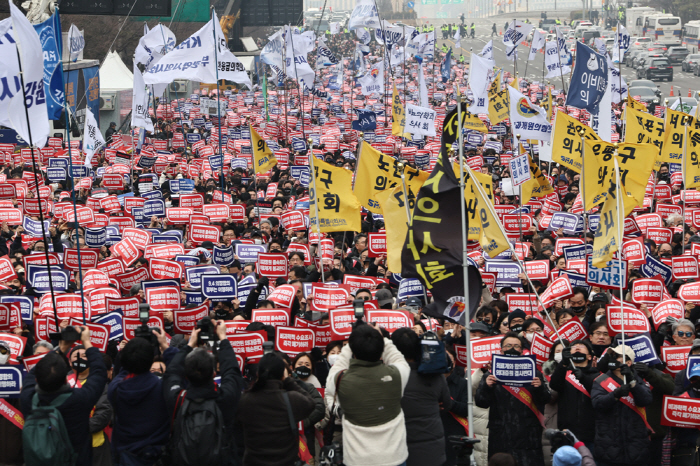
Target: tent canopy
[[114, 74]]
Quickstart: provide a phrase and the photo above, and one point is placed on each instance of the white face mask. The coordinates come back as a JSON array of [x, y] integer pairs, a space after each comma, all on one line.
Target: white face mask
[[529, 336], [557, 357], [332, 358], [4, 358], [597, 318]]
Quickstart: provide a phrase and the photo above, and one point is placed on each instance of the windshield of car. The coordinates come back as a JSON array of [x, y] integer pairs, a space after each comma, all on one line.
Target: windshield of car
[[642, 91], [659, 63]]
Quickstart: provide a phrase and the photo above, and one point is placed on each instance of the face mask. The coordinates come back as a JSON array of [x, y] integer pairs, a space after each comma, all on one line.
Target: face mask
[[448, 332], [529, 336], [512, 352], [557, 357], [578, 357], [332, 358], [258, 241], [516, 328], [158, 374], [79, 365], [612, 365], [4, 358], [578, 309], [302, 372], [597, 318]]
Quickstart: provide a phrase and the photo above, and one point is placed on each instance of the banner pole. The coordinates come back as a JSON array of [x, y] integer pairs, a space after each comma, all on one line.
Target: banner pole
[[315, 201], [685, 139], [620, 221], [218, 103], [582, 182]]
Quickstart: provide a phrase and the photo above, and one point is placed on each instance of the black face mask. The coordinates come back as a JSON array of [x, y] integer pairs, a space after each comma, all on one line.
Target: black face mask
[[578, 357], [578, 309], [516, 328], [598, 350], [302, 372], [512, 352], [79, 365], [612, 365], [158, 374]]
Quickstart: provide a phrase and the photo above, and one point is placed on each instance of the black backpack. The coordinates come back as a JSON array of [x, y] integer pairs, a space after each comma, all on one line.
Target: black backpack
[[199, 436]]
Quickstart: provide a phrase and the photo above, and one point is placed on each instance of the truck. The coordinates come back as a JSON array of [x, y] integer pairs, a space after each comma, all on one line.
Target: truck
[[635, 19]]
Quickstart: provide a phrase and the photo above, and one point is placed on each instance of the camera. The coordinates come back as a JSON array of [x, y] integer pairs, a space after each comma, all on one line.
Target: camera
[[268, 347], [143, 330], [358, 306], [69, 334], [559, 438], [463, 446], [207, 331]]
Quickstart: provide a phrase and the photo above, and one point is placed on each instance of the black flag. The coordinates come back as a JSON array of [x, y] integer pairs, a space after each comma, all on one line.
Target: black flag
[[433, 248]]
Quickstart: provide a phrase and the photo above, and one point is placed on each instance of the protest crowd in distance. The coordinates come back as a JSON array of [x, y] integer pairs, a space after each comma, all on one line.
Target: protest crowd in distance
[[373, 253]]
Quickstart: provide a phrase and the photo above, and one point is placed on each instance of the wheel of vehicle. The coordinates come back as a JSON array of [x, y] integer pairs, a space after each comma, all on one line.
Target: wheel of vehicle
[[670, 79], [683, 67]]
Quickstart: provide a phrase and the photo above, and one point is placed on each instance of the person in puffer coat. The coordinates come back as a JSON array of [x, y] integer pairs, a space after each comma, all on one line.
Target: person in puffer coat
[[621, 435]]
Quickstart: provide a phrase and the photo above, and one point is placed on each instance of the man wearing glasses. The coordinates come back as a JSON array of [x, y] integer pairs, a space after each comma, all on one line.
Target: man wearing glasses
[[683, 332], [515, 413]]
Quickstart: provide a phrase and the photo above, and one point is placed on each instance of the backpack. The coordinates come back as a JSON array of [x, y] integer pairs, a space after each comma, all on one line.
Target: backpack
[[44, 436], [198, 434], [433, 357]]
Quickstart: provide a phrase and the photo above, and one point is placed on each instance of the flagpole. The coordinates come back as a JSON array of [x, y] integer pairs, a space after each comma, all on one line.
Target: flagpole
[[465, 266], [36, 181], [685, 139], [520, 188], [315, 201], [218, 103], [561, 71], [581, 180], [620, 222], [301, 98], [619, 64]]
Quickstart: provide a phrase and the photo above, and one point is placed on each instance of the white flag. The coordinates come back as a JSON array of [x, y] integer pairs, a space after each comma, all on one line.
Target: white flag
[[487, 51], [480, 78], [553, 62], [622, 44], [537, 44], [154, 45], [324, 56], [364, 15], [397, 56], [17, 29], [422, 88], [76, 42], [602, 123], [618, 86], [373, 81], [139, 103], [335, 28], [527, 119], [363, 35], [420, 121], [516, 33], [92, 138], [458, 38]]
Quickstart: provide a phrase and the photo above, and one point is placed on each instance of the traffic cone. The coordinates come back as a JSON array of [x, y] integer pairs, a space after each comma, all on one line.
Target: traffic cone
[[690, 94], [671, 95]]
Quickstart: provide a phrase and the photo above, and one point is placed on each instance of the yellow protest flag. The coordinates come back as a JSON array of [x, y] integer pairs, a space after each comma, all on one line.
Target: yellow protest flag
[[499, 107], [691, 165], [633, 104], [398, 115], [636, 162], [642, 127], [263, 157], [607, 239], [547, 104], [377, 172], [395, 224], [537, 186], [672, 150], [566, 141], [473, 122], [332, 190]]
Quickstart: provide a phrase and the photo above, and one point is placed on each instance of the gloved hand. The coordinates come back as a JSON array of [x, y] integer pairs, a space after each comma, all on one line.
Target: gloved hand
[[578, 373], [642, 369], [571, 435], [622, 391], [566, 356], [626, 371], [262, 282]]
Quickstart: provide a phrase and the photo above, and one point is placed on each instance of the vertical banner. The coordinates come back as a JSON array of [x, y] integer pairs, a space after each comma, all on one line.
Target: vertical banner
[[91, 81]]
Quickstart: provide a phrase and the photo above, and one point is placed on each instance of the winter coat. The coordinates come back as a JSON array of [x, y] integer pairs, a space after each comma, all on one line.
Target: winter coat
[[621, 436], [421, 409], [575, 408], [10, 438], [76, 409], [100, 419], [662, 384], [513, 427]]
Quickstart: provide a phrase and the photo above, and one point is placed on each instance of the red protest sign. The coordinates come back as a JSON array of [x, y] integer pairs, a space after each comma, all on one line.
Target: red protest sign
[[573, 330], [131, 324], [7, 270], [166, 269], [127, 280], [274, 317], [129, 307], [126, 250], [111, 267], [113, 181], [634, 251], [391, 320], [88, 258], [541, 347], [523, 301], [293, 220], [690, 292], [482, 349], [85, 215], [680, 411], [248, 343], [355, 282], [99, 334], [647, 291], [659, 235], [668, 308], [16, 344], [185, 320], [537, 270], [326, 298], [11, 216], [283, 295], [685, 267], [341, 321], [648, 221], [31, 361], [237, 213], [178, 215], [635, 320], [376, 244], [564, 242], [67, 306], [216, 212], [164, 251], [559, 289], [141, 238], [191, 201], [97, 299], [272, 265], [489, 279], [163, 298], [675, 357], [202, 233], [294, 340], [43, 326]]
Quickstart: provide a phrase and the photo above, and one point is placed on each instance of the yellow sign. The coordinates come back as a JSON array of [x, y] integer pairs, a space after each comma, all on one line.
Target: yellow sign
[[398, 115], [263, 157], [566, 142], [499, 107], [332, 191]]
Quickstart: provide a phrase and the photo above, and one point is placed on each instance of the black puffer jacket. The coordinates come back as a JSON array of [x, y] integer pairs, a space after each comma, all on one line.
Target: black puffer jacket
[[621, 437], [513, 427], [575, 408]]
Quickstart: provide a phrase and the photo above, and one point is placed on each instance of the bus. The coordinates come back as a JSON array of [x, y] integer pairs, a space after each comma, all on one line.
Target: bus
[[691, 34], [635, 25], [664, 28]]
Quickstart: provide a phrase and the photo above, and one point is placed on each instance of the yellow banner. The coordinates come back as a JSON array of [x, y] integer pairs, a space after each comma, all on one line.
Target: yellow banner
[[633, 104], [263, 157], [377, 172], [339, 209], [636, 162], [642, 127], [607, 240], [473, 122], [537, 186], [672, 150], [398, 115], [395, 224], [692, 155], [566, 142], [499, 107], [483, 225], [547, 104]]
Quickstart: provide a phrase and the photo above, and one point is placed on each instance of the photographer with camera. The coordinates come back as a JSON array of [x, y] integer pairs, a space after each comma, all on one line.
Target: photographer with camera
[[189, 388], [568, 450], [619, 397], [573, 381], [46, 385]]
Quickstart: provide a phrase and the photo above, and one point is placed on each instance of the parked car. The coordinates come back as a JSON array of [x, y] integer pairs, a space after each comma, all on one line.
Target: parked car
[[690, 62], [655, 68], [676, 54], [645, 95]]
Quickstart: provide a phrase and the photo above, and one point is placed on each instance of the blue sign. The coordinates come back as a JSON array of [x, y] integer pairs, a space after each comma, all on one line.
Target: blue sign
[[155, 194], [164, 239], [643, 348], [576, 279], [693, 360], [593, 222], [59, 278], [80, 171], [115, 322], [366, 120], [298, 145], [56, 174], [607, 277], [186, 186], [654, 267], [154, 207], [223, 255], [507, 272], [146, 161], [189, 261], [26, 305], [95, 237], [194, 297], [221, 287], [410, 287], [216, 162], [139, 216], [305, 179], [33, 227], [577, 251], [297, 170], [249, 252], [589, 79], [58, 162], [193, 137], [513, 370], [572, 224], [158, 283], [194, 274], [239, 163], [11, 377]]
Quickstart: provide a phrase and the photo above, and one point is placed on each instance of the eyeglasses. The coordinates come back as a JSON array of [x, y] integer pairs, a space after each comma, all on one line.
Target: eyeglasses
[[509, 346], [600, 334], [685, 334]]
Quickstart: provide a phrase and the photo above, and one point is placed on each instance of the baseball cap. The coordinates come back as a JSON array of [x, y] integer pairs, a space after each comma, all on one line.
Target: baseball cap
[[629, 354], [566, 456], [384, 296], [478, 327], [600, 297], [413, 302]]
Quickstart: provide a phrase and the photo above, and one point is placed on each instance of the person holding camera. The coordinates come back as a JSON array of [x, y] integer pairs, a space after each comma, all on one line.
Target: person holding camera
[[47, 382], [619, 397]]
